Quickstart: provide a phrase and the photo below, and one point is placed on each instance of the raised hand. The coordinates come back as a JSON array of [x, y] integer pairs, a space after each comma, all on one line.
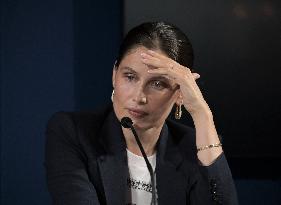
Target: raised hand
[[192, 97]]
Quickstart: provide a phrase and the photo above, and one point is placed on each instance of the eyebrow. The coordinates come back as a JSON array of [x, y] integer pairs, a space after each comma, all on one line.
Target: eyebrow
[[129, 69], [155, 77], [160, 78]]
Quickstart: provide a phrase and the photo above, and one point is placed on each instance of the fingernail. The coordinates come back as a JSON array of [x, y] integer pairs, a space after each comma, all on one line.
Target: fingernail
[[151, 51]]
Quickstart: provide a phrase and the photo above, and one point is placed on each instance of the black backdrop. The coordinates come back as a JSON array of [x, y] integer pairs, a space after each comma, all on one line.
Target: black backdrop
[[237, 52]]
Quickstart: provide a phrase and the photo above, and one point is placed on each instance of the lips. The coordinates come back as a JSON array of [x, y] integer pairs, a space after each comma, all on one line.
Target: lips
[[137, 113]]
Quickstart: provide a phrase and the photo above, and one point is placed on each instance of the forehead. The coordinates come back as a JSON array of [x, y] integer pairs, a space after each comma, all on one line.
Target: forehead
[[141, 48], [133, 58]]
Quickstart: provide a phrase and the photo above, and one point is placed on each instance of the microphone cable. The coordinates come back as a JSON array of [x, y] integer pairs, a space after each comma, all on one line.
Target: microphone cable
[[126, 122]]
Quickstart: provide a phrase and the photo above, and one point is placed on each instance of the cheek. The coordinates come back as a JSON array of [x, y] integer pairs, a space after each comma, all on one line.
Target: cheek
[[162, 104], [165, 98], [123, 91], [120, 99]]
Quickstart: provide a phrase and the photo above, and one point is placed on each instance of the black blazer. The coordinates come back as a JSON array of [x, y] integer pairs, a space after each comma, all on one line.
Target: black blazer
[[86, 164]]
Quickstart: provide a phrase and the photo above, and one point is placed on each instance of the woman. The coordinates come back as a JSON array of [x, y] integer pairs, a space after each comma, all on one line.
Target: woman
[[91, 159]]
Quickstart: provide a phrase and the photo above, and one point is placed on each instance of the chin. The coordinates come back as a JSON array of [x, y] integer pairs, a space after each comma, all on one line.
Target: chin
[[144, 125], [141, 126]]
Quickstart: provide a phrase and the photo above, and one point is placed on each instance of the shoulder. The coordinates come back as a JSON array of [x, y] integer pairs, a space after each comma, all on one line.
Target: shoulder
[[77, 124], [81, 119]]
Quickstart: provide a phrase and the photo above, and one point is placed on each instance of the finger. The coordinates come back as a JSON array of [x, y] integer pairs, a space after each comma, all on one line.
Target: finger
[[156, 54], [175, 73], [170, 74], [160, 71], [163, 73], [150, 60], [178, 77], [157, 60], [196, 76]]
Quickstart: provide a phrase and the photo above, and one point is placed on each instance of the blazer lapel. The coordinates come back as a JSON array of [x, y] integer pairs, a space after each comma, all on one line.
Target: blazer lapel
[[114, 171], [113, 162], [170, 182]]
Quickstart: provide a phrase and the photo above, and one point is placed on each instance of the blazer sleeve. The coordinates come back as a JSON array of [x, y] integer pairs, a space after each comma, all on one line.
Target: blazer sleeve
[[65, 163], [221, 184]]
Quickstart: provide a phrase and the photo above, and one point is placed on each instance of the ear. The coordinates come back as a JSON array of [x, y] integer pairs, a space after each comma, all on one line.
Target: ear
[[179, 100], [114, 70]]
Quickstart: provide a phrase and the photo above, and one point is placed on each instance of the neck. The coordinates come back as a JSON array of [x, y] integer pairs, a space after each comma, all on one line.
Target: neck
[[148, 139]]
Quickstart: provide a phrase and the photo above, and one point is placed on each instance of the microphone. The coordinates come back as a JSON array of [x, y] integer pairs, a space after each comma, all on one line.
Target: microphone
[[126, 122]]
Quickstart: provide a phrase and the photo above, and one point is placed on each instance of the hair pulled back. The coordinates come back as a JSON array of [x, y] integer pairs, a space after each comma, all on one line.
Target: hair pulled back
[[159, 35]]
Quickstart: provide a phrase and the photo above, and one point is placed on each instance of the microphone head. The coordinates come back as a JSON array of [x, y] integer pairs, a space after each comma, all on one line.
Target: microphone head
[[126, 122]]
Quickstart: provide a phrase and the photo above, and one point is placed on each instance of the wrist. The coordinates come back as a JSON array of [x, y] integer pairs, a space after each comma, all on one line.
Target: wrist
[[207, 157], [203, 113], [206, 133]]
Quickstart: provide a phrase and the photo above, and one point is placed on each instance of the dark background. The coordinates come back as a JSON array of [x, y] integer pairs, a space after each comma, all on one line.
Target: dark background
[[58, 55], [237, 52], [237, 48]]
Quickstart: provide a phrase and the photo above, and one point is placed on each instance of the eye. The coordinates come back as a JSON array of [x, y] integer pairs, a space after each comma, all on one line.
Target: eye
[[159, 85], [130, 76]]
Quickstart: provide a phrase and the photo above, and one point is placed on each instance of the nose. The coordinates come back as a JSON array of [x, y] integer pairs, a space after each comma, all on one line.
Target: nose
[[140, 96]]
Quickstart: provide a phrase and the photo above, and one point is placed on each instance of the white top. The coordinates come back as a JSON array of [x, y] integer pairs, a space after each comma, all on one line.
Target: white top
[[139, 187]]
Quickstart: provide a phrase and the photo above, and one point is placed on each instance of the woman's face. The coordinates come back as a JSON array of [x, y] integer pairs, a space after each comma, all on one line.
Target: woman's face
[[146, 98]]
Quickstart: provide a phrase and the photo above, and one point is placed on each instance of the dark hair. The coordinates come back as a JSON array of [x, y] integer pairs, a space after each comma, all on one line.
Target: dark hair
[[159, 35]]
